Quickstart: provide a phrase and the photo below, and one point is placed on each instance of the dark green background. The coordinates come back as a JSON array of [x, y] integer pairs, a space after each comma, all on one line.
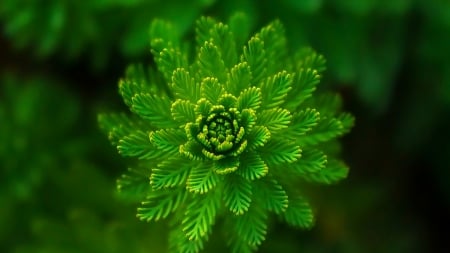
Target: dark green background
[[59, 66]]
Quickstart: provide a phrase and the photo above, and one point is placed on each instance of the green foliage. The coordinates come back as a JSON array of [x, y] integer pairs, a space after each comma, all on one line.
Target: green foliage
[[70, 29], [235, 137]]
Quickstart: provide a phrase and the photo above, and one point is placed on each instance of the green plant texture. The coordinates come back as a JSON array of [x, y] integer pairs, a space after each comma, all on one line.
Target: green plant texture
[[70, 29], [227, 132]]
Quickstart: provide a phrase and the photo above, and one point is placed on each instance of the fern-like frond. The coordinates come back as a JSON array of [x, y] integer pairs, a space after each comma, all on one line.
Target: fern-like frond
[[237, 194], [250, 98], [203, 28], [117, 126], [312, 161], [274, 44], [155, 109], [307, 58], [134, 184], [159, 204], [137, 144], [299, 213], [252, 226], [201, 179], [252, 167], [332, 173], [200, 216], [211, 89], [224, 39], [184, 85], [168, 60], [326, 129], [272, 195], [226, 136], [168, 140], [304, 84], [276, 152], [210, 62], [302, 122], [255, 55], [183, 111], [240, 27], [170, 173], [179, 243], [239, 78], [275, 89], [274, 119]]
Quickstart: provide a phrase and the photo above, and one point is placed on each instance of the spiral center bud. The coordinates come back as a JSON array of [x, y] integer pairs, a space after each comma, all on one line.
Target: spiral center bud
[[220, 133]]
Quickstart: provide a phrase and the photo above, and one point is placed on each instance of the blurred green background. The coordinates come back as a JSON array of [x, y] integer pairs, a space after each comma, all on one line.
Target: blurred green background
[[60, 61]]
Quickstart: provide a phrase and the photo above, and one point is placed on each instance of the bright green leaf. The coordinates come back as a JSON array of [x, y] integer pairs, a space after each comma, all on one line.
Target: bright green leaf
[[168, 140], [184, 86], [272, 195], [224, 39], [312, 161], [305, 82], [249, 99], [138, 144], [302, 122], [280, 151], [183, 111], [159, 204], [255, 55], [239, 78], [211, 89], [252, 167], [202, 178], [210, 62], [274, 119], [200, 216], [257, 137], [252, 225], [155, 109], [237, 194], [275, 89], [170, 173]]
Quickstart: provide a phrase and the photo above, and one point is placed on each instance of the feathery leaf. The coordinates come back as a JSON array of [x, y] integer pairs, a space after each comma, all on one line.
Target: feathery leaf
[[272, 195], [184, 86], [277, 152], [168, 140], [237, 194], [299, 213], [137, 144], [200, 216], [201, 179], [255, 55], [333, 172], [252, 166], [159, 204], [239, 78], [211, 89], [154, 109], [274, 119], [183, 111], [170, 173], [249, 99]]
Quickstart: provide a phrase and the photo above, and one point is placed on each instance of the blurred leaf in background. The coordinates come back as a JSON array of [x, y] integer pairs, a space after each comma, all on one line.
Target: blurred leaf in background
[[97, 29], [57, 189], [390, 60]]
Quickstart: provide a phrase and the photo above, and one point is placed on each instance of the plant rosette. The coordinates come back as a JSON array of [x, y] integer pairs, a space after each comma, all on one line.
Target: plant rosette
[[227, 132]]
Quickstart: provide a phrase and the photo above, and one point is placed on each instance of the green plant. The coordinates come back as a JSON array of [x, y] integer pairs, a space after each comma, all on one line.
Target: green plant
[[226, 133], [71, 29]]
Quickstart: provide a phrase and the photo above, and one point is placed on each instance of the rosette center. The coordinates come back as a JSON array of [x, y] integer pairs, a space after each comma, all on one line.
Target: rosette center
[[220, 133]]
